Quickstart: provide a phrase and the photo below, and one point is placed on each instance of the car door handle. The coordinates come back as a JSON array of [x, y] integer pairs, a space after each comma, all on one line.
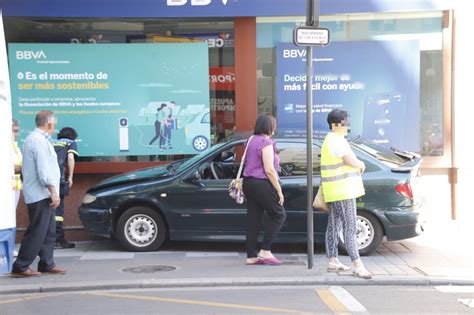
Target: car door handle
[[200, 184]]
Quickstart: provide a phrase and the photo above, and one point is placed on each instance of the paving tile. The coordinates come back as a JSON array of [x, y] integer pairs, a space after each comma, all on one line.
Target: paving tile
[[396, 260], [98, 255], [409, 270], [397, 248], [210, 254]]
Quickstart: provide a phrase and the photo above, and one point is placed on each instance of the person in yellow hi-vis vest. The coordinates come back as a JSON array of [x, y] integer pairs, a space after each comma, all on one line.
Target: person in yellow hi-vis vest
[[341, 182]]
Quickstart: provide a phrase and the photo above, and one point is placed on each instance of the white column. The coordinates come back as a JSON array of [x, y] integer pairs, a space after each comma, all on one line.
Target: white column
[[464, 114], [7, 213]]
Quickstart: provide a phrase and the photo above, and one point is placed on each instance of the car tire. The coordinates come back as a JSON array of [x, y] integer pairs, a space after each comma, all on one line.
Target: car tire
[[200, 143], [141, 229], [369, 234]]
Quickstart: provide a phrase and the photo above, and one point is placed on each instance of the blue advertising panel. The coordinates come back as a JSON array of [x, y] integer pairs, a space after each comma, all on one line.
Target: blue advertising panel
[[123, 99], [206, 8], [376, 82]]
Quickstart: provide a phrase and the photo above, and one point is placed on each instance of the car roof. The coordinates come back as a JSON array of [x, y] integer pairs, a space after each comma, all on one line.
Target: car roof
[[280, 139]]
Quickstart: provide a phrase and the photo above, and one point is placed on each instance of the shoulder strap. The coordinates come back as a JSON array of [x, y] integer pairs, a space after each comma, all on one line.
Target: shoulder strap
[[243, 158]]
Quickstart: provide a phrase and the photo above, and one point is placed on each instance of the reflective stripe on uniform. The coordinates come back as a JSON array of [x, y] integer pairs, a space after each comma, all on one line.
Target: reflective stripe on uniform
[[73, 152], [339, 177], [331, 167], [59, 218]]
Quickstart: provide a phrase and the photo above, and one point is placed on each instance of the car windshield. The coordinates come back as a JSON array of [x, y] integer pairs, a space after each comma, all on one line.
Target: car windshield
[[187, 163], [377, 151], [171, 168]]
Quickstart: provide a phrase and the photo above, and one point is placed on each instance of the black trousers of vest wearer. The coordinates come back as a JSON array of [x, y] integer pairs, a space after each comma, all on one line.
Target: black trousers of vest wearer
[[262, 209], [39, 237]]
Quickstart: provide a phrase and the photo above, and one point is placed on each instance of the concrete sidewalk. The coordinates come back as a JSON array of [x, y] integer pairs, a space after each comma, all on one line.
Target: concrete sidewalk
[[431, 259]]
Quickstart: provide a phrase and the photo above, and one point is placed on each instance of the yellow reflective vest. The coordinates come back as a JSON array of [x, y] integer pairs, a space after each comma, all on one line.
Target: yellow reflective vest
[[17, 160], [339, 181]]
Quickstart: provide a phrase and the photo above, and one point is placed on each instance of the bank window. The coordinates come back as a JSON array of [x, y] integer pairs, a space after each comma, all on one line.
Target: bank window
[[218, 33], [424, 28]]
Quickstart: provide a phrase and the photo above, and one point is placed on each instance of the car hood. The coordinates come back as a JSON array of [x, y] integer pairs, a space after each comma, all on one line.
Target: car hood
[[135, 176]]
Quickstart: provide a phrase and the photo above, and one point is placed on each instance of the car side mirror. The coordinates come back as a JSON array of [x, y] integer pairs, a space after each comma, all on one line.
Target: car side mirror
[[228, 157]]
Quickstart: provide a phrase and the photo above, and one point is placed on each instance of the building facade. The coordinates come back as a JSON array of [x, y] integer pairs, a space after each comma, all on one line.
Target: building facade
[[384, 53]]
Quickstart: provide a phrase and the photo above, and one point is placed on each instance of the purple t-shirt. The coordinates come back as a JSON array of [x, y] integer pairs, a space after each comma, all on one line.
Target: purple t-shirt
[[253, 160]]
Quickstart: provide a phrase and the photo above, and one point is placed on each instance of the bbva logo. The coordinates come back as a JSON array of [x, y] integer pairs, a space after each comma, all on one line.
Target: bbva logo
[[30, 54], [193, 2], [294, 53]]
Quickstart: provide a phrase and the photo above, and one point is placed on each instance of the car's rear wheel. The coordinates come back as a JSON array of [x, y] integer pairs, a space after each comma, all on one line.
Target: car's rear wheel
[[369, 234], [141, 229]]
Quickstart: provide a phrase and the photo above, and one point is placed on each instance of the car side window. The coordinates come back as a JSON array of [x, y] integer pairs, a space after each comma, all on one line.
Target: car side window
[[222, 165], [293, 159], [369, 166]]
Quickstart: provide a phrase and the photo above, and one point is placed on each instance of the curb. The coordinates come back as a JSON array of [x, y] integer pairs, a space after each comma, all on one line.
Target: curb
[[228, 282]]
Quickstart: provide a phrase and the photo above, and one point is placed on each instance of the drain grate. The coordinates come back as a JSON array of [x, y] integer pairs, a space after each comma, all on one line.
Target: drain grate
[[149, 269]]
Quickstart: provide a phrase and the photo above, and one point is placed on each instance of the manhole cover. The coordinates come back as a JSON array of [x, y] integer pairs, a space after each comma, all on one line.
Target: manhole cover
[[149, 269]]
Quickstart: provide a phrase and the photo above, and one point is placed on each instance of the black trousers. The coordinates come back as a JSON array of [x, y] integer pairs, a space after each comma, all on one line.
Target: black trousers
[[262, 209], [39, 237]]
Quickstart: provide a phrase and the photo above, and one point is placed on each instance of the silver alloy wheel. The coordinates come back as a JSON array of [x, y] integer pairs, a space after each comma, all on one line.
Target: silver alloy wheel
[[141, 230], [200, 143], [365, 232]]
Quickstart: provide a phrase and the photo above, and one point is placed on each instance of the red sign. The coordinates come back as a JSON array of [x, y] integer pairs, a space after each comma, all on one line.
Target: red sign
[[222, 78]]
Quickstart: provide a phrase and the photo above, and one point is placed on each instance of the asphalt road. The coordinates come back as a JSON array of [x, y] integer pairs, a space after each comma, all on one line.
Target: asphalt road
[[250, 300]]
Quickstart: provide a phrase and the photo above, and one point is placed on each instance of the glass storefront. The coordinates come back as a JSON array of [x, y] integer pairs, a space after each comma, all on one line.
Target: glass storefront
[[426, 28], [218, 33]]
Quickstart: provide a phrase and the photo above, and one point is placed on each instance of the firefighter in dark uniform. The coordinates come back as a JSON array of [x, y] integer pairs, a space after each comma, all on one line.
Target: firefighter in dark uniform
[[66, 150]]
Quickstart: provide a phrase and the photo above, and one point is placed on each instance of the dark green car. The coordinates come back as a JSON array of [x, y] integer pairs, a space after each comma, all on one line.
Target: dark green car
[[188, 199]]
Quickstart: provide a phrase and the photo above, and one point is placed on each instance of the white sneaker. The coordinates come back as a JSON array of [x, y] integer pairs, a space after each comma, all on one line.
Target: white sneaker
[[15, 254]]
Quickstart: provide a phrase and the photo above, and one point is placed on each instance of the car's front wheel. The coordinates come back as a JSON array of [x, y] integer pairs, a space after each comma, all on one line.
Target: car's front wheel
[[141, 229], [369, 234]]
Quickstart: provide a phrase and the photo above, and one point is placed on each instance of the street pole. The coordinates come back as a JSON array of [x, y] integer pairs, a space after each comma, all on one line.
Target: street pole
[[312, 19]]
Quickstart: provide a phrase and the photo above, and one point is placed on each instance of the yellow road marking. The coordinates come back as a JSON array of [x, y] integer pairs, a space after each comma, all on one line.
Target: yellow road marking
[[332, 302], [26, 298], [196, 302]]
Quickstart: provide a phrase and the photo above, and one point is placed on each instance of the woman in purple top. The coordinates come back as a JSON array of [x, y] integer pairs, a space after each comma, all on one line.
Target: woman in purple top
[[263, 192]]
